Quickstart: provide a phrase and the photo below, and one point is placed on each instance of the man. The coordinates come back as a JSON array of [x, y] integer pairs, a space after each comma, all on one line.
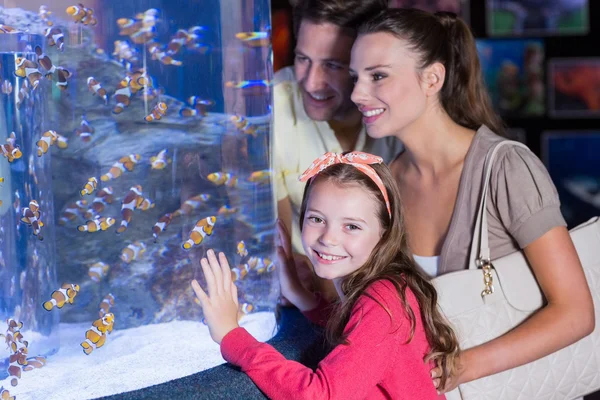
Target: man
[[313, 113]]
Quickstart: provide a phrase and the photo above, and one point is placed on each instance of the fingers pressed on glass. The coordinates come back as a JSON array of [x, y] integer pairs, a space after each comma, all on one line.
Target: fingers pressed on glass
[[199, 292], [210, 278], [225, 270], [216, 270]]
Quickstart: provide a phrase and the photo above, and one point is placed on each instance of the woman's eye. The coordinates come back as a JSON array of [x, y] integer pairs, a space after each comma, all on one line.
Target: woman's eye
[[377, 77]]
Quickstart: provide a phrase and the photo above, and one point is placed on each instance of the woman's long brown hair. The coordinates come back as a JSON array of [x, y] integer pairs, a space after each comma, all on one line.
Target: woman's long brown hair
[[391, 259]]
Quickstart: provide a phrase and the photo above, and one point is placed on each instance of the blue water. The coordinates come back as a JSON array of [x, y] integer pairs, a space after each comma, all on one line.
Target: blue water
[[154, 287]]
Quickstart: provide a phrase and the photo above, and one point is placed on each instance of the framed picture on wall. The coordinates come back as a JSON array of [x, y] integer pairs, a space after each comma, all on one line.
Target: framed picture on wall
[[574, 166], [537, 17], [574, 87], [513, 70]]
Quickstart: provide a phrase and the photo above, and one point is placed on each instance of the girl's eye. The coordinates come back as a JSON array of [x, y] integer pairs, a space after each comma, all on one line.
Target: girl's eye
[[353, 227], [316, 220], [354, 78]]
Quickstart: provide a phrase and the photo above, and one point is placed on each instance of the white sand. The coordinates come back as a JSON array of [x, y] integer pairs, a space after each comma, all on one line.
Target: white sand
[[130, 359]]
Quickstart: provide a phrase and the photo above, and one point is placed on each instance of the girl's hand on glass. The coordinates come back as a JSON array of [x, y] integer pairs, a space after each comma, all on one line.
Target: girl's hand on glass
[[220, 306]]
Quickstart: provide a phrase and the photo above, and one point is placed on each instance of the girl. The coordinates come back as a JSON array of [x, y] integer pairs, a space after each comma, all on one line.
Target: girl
[[417, 77], [386, 328]]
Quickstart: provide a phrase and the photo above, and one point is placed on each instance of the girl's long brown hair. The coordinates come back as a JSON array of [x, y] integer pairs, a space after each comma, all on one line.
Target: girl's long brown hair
[[443, 38], [391, 259]]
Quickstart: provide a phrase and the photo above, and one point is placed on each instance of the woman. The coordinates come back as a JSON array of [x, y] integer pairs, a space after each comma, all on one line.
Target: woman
[[418, 78]]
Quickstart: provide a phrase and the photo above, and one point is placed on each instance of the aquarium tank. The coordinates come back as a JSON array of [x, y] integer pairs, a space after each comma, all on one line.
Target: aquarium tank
[[134, 137]]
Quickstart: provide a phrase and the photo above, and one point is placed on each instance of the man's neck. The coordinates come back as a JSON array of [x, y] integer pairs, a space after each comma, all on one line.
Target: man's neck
[[347, 131]]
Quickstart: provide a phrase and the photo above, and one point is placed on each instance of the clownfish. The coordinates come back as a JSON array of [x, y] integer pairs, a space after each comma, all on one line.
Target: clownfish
[[254, 39], [103, 198], [72, 211], [10, 152], [85, 130], [7, 87], [62, 296], [63, 76], [55, 36], [31, 216], [5, 394], [122, 96], [98, 270], [239, 272], [161, 225], [117, 169], [223, 178], [106, 304], [157, 52], [47, 140], [133, 252], [146, 204], [25, 68], [243, 125], [260, 176], [203, 228], [45, 62], [159, 111], [97, 89], [95, 337], [90, 186], [34, 362], [191, 204], [199, 107], [241, 249], [160, 160], [61, 141], [97, 225], [132, 200]]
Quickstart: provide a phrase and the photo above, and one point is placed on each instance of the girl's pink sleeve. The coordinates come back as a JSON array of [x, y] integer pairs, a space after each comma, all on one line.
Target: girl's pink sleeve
[[350, 371]]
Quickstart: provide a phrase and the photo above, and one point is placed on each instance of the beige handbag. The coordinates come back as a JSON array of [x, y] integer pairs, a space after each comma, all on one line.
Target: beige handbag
[[490, 298]]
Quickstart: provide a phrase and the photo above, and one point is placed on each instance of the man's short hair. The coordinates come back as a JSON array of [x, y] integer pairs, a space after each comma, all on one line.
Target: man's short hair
[[347, 14]]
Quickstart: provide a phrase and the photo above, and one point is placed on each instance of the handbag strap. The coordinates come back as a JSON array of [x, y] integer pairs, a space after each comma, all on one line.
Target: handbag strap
[[480, 248]]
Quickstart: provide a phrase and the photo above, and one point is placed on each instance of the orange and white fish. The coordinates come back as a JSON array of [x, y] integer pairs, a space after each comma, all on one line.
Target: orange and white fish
[[159, 111], [8, 29], [31, 216], [95, 337], [149, 18], [66, 294], [227, 211], [55, 37], [138, 80], [63, 77], [62, 142], [10, 152], [198, 107], [25, 68], [98, 270], [243, 125], [90, 186], [223, 178], [157, 52], [45, 62], [239, 272], [246, 308], [160, 160], [161, 225], [203, 228], [44, 13], [106, 304], [122, 96], [32, 363], [23, 94], [72, 211], [260, 176], [82, 14], [133, 252], [47, 140], [264, 265], [96, 88], [5, 394], [117, 169], [103, 198], [85, 130], [192, 204], [97, 225], [146, 204], [125, 53], [254, 39], [132, 200], [128, 26], [7, 87], [241, 249]]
